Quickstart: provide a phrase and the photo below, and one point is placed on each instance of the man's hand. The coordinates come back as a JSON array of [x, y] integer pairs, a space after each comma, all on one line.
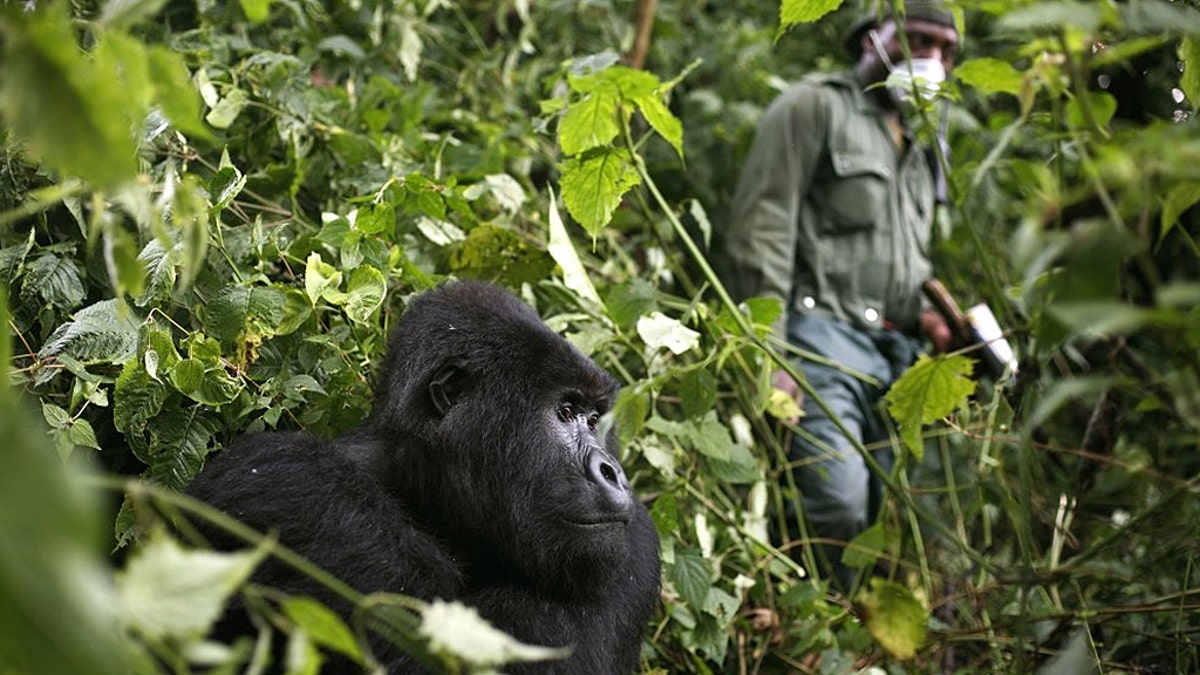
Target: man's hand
[[934, 326], [784, 382]]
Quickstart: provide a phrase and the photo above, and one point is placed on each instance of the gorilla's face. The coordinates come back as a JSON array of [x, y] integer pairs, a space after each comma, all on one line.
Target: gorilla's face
[[512, 466]]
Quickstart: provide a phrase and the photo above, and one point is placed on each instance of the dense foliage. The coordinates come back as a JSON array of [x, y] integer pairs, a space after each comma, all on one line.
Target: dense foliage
[[210, 214]]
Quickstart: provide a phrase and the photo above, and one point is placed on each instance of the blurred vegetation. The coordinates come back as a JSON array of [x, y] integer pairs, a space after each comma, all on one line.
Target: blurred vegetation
[[211, 213]]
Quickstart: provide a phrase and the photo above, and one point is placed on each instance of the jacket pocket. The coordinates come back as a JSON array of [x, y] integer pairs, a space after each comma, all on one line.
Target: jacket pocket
[[857, 194]]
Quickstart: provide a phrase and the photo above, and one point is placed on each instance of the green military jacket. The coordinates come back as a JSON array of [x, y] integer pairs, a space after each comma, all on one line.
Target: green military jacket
[[829, 216]]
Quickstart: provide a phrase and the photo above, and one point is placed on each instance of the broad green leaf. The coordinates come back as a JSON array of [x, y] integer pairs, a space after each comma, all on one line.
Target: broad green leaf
[[180, 439], [804, 11], [83, 435], [55, 279], [68, 108], [160, 264], [187, 375], [629, 413], [323, 625], [1189, 81], [866, 547], [710, 438], [58, 613], [660, 331], [123, 14], [697, 392], [365, 290], [1178, 200], [55, 416], [929, 390], [236, 310], [137, 398], [1101, 105], [227, 109], [562, 249], [662, 120], [320, 278], [894, 617], [106, 332], [256, 10], [224, 186], [990, 76], [739, 467], [125, 270], [1102, 317], [628, 301], [593, 185], [168, 592], [455, 630], [590, 123], [692, 576]]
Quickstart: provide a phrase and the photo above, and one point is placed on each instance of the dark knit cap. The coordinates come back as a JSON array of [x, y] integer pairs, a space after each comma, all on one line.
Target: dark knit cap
[[933, 11]]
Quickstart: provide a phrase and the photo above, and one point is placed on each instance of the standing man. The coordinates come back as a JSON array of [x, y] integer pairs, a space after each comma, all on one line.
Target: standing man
[[833, 215]]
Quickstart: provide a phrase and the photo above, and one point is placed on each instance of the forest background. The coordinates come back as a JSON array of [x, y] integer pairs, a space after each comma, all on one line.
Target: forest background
[[211, 213]]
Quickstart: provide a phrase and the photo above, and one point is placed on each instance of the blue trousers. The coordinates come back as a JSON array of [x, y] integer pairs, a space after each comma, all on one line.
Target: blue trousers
[[840, 495]]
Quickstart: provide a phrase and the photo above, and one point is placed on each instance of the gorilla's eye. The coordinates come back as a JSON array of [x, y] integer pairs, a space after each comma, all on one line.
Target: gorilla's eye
[[593, 420], [567, 412]]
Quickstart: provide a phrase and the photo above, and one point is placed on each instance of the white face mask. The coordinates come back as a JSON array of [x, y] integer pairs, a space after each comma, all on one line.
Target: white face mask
[[924, 75]]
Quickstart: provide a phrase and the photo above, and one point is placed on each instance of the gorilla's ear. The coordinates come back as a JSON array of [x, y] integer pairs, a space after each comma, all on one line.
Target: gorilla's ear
[[448, 383]]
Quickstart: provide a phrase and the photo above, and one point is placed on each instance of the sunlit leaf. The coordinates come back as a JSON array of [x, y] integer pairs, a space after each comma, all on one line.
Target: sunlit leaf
[[593, 185], [663, 120], [68, 108], [804, 11], [660, 331], [929, 390], [365, 290], [590, 123], [562, 249], [1189, 81], [990, 76], [894, 617], [169, 592], [322, 625], [692, 576], [455, 630]]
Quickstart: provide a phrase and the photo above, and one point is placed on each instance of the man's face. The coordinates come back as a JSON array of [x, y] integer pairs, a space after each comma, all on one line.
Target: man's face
[[926, 40]]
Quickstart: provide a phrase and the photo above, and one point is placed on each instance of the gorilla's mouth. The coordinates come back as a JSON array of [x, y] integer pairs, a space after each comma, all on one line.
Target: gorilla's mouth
[[599, 521]]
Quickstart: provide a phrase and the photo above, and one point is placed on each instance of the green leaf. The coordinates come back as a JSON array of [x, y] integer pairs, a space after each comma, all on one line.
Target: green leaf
[[227, 109], [894, 617], [136, 399], [123, 14], [710, 438], [365, 290], [224, 186], [69, 109], [83, 435], [456, 631], [660, 331], [55, 279], [804, 11], [168, 592], [866, 547], [55, 416], [106, 332], [562, 249], [1178, 200], [593, 185], [1102, 317], [323, 625], [929, 390], [321, 280], [235, 311], [160, 263], [697, 392], [1189, 81], [662, 120], [180, 439], [1101, 104], [990, 76], [256, 10], [590, 123], [692, 576]]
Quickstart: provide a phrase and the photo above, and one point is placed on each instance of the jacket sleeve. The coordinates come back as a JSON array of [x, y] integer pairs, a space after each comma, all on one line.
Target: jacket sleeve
[[760, 242]]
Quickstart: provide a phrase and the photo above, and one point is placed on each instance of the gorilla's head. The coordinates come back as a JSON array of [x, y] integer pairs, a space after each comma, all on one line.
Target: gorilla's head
[[494, 422]]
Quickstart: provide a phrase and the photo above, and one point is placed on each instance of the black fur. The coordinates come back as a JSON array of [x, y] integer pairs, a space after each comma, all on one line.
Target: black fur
[[479, 477]]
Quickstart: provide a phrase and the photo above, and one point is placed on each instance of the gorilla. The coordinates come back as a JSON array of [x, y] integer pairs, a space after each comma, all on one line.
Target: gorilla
[[481, 475]]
